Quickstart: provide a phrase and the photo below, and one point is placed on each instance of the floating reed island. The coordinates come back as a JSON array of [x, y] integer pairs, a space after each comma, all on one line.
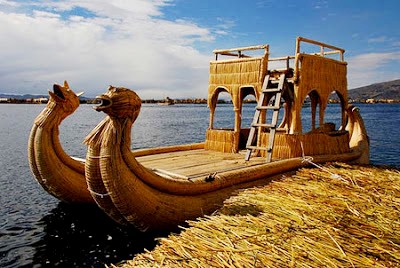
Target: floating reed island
[[334, 216]]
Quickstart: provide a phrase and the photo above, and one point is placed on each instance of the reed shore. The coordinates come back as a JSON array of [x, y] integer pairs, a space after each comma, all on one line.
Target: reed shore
[[337, 215]]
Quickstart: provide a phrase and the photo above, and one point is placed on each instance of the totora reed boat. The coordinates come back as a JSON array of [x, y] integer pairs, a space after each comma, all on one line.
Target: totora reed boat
[[57, 172], [162, 187]]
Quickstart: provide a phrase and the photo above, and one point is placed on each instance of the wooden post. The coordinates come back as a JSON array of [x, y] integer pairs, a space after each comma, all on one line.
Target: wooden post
[[212, 111], [238, 119]]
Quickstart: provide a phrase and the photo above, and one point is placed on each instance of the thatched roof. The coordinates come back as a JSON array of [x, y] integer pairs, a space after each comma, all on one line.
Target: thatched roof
[[338, 216]]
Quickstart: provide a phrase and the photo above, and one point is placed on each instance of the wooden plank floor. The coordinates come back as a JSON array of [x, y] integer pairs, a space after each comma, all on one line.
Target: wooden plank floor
[[195, 163]]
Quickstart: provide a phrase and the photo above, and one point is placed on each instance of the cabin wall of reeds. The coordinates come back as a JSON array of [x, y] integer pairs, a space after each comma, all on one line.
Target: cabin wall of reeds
[[292, 145], [285, 146], [234, 74], [322, 76], [222, 140]]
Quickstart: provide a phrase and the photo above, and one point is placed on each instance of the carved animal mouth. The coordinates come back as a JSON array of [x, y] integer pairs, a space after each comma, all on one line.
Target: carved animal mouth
[[57, 93], [105, 102]]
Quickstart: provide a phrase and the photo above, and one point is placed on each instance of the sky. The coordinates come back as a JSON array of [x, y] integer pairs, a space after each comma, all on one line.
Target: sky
[[163, 48]]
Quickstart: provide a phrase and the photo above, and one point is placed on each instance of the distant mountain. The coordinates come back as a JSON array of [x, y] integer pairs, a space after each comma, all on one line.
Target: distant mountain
[[378, 91], [22, 97], [30, 96]]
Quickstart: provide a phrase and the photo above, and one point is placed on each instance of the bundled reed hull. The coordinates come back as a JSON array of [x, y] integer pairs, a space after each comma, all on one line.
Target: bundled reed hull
[[58, 173], [161, 188]]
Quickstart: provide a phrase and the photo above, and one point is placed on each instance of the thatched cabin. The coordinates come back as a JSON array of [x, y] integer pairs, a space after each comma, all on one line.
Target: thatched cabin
[[314, 76]]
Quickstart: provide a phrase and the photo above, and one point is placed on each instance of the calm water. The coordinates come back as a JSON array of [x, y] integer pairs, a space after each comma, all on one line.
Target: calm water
[[38, 231]]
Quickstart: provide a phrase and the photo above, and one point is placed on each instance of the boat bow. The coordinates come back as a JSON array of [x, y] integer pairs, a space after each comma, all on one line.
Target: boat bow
[[57, 172]]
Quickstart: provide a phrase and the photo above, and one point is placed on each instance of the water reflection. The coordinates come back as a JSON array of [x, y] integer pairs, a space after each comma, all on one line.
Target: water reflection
[[83, 236]]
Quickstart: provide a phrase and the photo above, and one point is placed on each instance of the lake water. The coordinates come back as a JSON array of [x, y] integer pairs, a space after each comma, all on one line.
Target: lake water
[[36, 230]]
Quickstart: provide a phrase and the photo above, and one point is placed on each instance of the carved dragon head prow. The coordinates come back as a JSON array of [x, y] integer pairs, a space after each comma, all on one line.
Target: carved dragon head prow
[[120, 103], [62, 103], [65, 97]]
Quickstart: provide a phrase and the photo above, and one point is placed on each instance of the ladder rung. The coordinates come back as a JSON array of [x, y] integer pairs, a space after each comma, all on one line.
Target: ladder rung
[[271, 90], [268, 107], [257, 148], [263, 125]]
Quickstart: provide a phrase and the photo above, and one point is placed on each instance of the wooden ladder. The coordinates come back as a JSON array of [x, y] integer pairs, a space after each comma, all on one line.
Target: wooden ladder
[[274, 105]]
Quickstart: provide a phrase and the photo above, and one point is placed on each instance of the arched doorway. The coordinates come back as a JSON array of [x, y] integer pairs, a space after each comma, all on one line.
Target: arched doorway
[[311, 116], [248, 100], [224, 116], [335, 111], [248, 103]]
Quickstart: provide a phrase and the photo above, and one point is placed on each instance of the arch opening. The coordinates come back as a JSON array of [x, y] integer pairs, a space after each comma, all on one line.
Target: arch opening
[[248, 102], [336, 110], [311, 114], [224, 116]]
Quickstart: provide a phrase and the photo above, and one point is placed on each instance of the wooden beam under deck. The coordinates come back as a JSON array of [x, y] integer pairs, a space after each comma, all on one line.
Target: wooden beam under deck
[[196, 163]]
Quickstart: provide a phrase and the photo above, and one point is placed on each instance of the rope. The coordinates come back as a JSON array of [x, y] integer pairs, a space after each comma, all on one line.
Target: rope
[[101, 195], [99, 157], [309, 159]]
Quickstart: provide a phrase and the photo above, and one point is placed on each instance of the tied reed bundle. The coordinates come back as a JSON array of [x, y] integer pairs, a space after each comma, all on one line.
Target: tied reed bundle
[[338, 216]]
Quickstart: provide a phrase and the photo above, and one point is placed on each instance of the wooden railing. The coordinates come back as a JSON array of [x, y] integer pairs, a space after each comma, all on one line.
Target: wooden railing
[[237, 52], [322, 52], [287, 59]]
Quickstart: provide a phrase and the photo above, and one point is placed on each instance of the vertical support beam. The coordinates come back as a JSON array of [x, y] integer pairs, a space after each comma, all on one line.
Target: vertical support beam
[[238, 119], [314, 103], [287, 63], [322, 108], [211, 124]]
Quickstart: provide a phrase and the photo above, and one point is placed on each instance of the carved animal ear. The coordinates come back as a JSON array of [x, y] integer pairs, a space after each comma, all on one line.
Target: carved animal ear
[[66, 84]]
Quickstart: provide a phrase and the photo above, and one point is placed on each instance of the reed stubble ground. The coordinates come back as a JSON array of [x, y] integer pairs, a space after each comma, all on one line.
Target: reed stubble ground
[[336, 216]]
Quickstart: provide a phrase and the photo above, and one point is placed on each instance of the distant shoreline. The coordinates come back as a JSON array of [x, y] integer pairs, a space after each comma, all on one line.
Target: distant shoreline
[[183, 101]]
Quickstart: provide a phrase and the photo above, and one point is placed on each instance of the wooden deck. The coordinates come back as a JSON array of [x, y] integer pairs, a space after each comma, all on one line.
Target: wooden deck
[[196, 163]]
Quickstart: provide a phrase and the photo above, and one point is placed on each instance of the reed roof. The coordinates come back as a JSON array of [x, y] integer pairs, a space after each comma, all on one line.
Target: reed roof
[[337, 216]]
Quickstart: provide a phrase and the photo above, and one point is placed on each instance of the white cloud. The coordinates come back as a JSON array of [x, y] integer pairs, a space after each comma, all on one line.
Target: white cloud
[[371, 68], [124, 43], [8, 3], [320, 4], [379, 39]]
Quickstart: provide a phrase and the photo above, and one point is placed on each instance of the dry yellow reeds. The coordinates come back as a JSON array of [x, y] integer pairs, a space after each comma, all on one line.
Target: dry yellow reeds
[[336, 216]]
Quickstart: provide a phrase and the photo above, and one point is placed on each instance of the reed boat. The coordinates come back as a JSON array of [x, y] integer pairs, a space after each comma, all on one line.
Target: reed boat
[[160, 188], [58, 173], [166, 101]]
